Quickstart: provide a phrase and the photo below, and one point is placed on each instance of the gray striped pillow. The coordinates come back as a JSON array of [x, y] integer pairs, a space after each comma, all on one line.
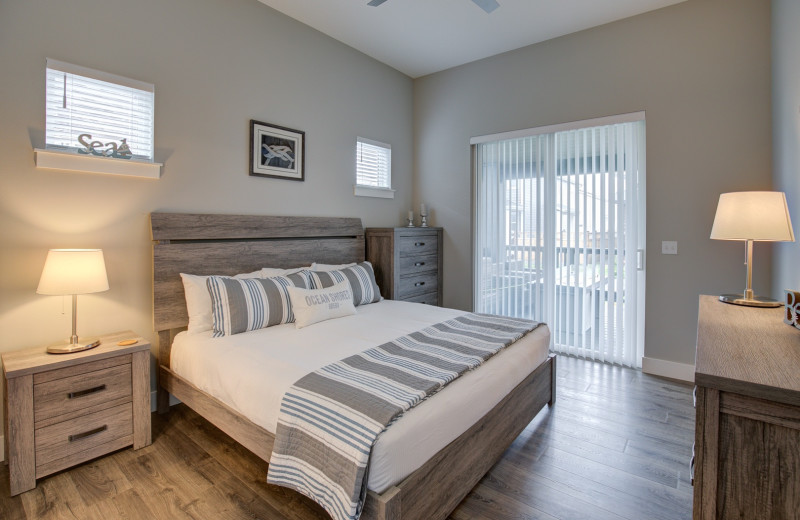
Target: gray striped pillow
[[241, 305], [362, 282]]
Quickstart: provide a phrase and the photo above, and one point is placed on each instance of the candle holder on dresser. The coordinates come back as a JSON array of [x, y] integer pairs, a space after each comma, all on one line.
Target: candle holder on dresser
[[423, 212], [410, 219]]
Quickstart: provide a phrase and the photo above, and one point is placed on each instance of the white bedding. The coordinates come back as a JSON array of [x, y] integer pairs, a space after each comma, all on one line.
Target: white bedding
[[250, 372]]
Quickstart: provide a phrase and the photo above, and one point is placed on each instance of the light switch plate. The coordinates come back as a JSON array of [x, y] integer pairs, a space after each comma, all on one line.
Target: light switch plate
[[669, 247]]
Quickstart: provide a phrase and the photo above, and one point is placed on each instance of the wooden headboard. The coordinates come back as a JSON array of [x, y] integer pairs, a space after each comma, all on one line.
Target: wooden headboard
[[205, 244]]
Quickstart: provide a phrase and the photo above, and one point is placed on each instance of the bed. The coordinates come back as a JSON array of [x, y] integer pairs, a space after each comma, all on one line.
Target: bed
[[428, 488]]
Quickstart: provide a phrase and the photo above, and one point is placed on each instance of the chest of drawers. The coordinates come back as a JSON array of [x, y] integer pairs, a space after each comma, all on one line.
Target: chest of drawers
[[61, 410], [407, 262], [747, 430]]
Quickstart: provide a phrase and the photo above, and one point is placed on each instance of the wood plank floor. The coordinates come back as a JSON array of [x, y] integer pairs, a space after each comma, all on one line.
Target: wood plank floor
[[615, 446]]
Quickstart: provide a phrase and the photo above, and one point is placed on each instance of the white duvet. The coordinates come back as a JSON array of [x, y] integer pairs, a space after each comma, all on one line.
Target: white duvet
[[250, 372]]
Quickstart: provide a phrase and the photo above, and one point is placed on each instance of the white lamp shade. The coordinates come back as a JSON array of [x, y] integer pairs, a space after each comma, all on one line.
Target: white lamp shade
[[753, 215], [73, 271]]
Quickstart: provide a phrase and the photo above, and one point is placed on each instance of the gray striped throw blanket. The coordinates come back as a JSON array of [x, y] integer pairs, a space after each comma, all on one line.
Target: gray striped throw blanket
[[330, 419]]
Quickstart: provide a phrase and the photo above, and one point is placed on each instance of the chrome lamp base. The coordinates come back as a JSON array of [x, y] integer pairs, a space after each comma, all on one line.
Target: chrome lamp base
[[69, 348], [754, 301]]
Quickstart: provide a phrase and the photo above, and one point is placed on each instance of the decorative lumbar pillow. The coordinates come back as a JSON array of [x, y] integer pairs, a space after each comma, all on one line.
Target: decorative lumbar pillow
[[330, 267], [361, 278], [256, 303], [314, 305], [198, 301]]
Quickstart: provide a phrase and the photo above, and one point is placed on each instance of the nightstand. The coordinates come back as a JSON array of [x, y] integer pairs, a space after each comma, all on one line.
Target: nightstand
[[61, 410]]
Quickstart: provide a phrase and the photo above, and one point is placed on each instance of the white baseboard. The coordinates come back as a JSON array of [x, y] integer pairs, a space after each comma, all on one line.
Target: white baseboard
[[670, 369]]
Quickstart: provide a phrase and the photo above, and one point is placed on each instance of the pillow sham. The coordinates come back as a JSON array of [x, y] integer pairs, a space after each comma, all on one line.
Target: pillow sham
[[361, 278], [268, 272], [198, 301], [330, 267], [314, 305], [241, 305]]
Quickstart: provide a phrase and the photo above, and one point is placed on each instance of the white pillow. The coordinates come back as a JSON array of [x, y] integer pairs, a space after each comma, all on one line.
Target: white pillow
[[269, 272], [314, 305], [329, 267], [198, 300]]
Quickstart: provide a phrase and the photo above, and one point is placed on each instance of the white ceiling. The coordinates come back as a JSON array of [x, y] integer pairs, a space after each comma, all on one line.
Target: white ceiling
[[419, 37]]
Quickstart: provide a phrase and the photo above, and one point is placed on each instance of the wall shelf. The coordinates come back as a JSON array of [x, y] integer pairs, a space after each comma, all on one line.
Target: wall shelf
[[56, 160]]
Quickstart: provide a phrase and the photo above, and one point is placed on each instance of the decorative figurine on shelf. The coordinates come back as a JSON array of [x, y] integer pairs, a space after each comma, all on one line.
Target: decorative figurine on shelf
[[410, 218], [423, 212], [123, 151]]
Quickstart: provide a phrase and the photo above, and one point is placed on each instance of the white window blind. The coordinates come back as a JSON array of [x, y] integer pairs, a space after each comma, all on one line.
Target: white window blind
[[560, 236], [110, 108], [373, 164]]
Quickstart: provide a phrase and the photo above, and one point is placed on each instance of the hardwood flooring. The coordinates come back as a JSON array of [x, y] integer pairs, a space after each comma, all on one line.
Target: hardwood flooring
[[615, 446]]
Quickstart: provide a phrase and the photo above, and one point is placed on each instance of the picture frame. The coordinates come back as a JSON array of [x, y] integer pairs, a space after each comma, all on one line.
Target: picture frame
[[276, 151]]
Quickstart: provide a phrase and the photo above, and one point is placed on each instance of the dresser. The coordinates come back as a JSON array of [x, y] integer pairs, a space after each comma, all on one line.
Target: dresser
[[747, 430], [407, 262], [61, 410]]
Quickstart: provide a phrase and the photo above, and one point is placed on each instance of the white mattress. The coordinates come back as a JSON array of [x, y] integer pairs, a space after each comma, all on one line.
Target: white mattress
[[250, 372]]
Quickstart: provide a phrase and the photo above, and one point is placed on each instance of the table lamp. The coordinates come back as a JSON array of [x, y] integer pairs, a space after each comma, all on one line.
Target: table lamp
[[73, 271], [752, 216]]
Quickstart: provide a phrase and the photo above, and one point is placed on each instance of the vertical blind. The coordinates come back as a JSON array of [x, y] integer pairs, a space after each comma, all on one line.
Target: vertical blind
[[373, 163], [107, 107], [559, 236]]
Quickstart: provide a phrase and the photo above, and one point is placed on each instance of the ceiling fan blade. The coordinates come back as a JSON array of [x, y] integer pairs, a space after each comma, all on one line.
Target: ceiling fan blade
[[376, 3], [486, 5]]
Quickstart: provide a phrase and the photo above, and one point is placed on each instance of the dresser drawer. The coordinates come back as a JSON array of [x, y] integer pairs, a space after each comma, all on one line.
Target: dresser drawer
[[67, 438], [68, 395], [431, 298], [419, 284], [418, 245], [410, 265]]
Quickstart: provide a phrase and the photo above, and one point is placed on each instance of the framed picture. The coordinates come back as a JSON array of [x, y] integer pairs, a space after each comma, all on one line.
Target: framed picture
[[276, 151]]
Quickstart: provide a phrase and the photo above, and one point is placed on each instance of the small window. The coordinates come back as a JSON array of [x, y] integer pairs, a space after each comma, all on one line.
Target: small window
[[373, 169], [113, 110]]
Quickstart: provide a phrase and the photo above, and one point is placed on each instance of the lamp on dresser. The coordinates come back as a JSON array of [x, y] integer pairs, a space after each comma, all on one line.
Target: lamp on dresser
[[73, 271], [752, 216]]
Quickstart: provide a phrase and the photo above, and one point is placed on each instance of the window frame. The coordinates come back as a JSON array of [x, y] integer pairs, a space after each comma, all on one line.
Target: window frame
[[366, 190]]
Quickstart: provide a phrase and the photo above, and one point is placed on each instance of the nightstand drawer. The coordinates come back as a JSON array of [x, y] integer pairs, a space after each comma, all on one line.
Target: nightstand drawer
[[418, 264], [422, 283], [68, 438], [419, 245], [81, 392]]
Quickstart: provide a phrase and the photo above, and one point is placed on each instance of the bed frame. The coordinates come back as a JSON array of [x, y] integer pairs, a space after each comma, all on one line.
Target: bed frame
[[205, 244]]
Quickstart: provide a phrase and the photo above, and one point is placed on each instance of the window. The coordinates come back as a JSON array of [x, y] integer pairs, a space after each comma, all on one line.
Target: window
[[110, 108], [373, 169], [560, 233]]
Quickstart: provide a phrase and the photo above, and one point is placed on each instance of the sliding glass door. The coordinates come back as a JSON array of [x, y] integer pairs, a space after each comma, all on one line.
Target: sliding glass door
[[560, 233]]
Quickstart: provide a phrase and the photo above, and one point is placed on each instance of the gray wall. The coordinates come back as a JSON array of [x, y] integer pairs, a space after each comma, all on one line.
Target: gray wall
[[700, 70], [786, 134], [215, 65]]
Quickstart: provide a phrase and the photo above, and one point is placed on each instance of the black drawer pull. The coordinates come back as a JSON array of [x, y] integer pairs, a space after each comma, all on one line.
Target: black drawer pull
[[419, 243], [79, 436], [419, 284], [417, 264], [81, 393]]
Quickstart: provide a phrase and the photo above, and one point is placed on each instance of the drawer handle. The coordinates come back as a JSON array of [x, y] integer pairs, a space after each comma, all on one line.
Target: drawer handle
[[419, 243], [79, 436], [88, 391], [419, 284], [417, 264]]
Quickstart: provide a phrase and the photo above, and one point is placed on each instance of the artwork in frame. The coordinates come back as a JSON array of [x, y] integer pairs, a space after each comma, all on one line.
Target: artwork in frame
[[276, 151]]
